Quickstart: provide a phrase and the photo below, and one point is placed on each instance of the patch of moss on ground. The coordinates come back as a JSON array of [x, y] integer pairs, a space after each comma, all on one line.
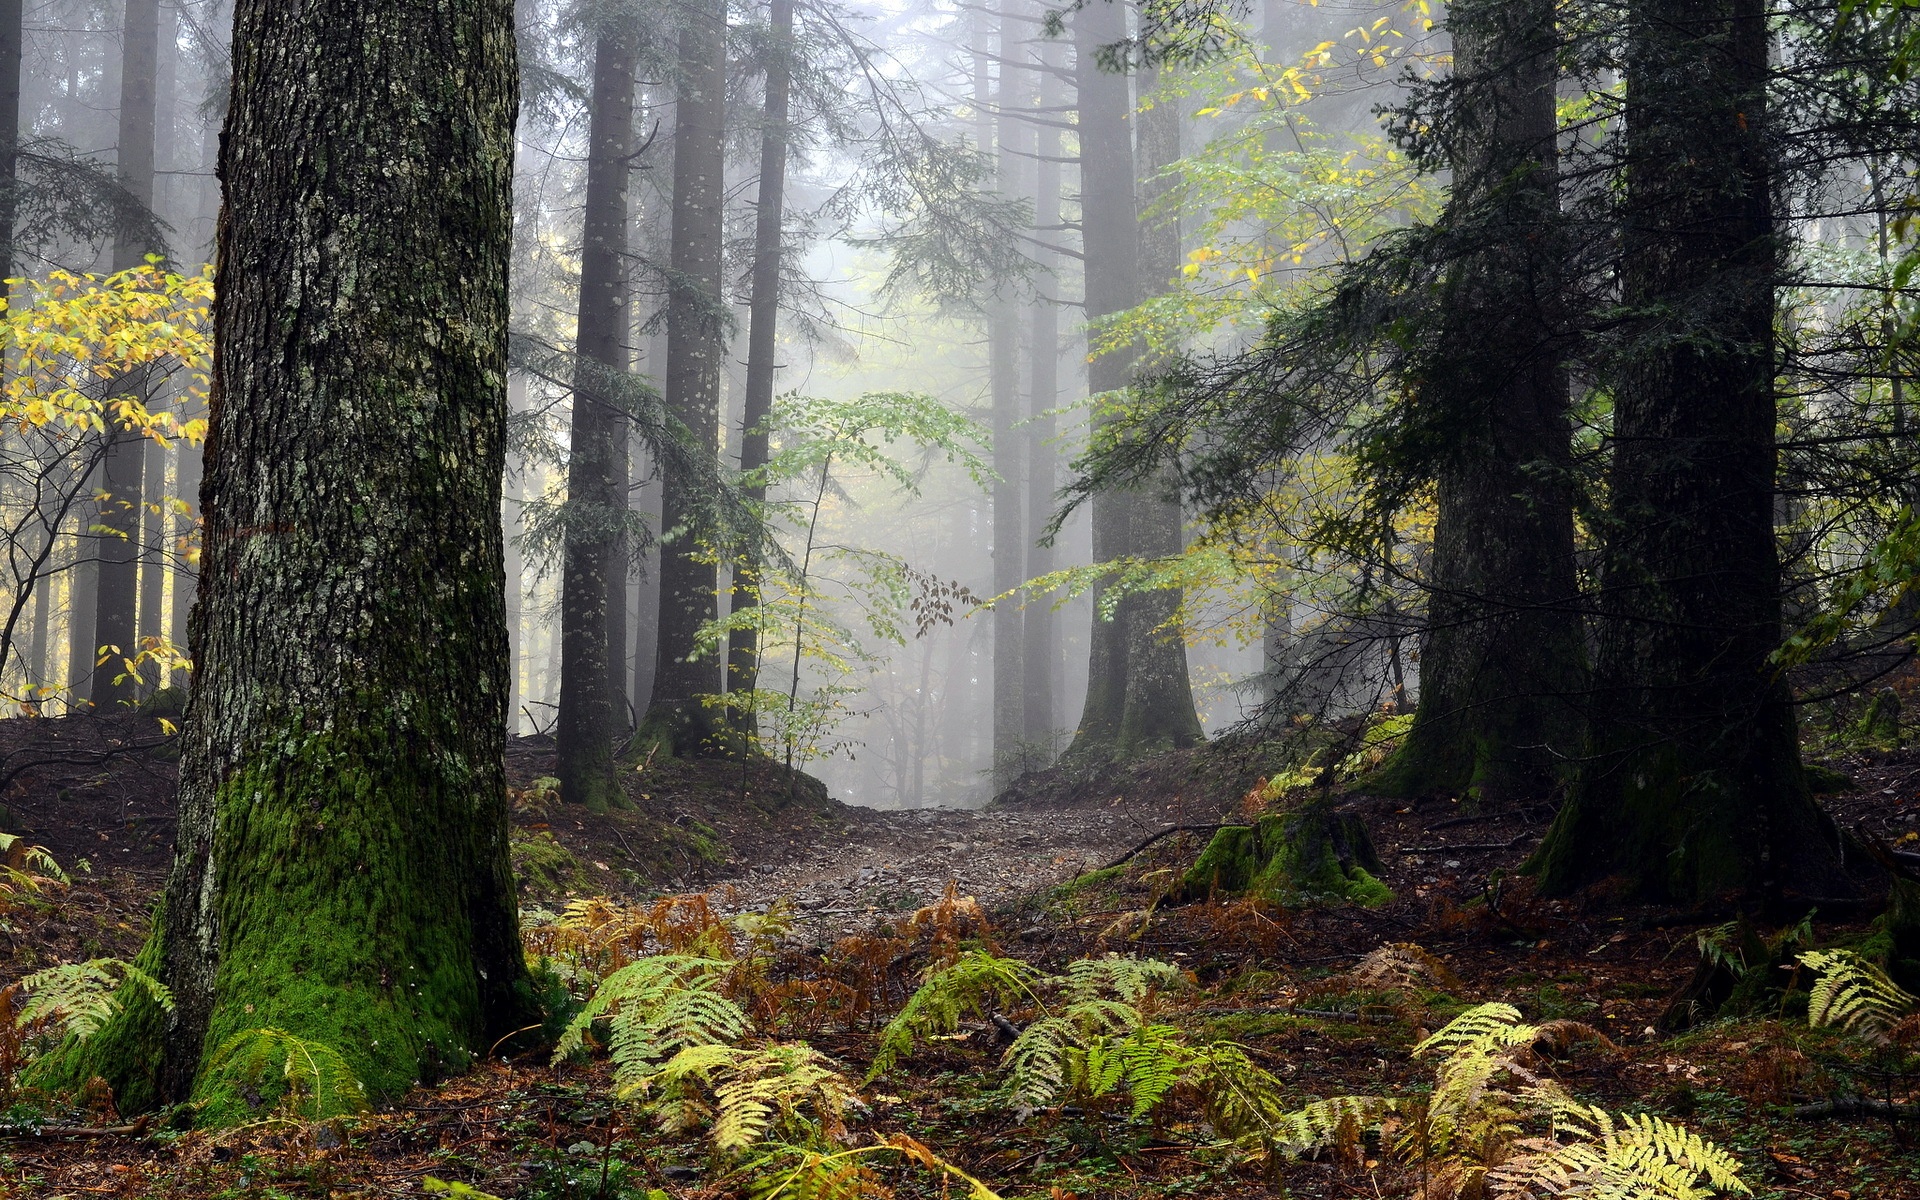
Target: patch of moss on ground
[[544, 869]]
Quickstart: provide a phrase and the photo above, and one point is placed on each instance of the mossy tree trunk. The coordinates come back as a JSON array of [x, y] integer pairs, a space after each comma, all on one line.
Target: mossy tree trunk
[[593, 571], [677, 715], [341, 870], [1692, 786], [1503, 662]]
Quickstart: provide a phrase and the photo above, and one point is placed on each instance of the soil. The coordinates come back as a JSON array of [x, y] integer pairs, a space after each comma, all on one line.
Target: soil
[[98, 793]]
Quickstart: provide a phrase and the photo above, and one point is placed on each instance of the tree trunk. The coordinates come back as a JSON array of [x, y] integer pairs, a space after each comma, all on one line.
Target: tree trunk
[[1040, 649], [763, 316], [341, 870], [1503, 662], [1158, 714], [118, 517], [596, 455], [12, 50], [696, 317], [1003, 371], [1692, 785], [1109, 237]]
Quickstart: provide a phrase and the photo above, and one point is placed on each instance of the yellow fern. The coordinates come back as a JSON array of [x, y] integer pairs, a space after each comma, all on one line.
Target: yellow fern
[[1854, 995]]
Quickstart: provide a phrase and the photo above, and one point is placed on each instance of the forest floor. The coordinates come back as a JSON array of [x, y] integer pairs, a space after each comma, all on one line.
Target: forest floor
[[98, 793]]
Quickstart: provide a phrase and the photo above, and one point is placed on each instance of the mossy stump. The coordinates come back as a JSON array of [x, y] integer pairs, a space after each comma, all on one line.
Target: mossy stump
[[1311, 855]]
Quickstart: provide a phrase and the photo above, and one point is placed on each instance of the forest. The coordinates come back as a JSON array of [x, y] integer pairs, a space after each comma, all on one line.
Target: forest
[[1007, 599]]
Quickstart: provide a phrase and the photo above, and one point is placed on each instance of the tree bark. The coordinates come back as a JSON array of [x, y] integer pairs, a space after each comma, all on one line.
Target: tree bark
[[1003, 370], [1039, 625], [12, 50], [118, 517], [1692, 786], [763, 316], [596, 457], [696, 318], [341, 870], [1158, 714], [1109, 237], [1503, 663]]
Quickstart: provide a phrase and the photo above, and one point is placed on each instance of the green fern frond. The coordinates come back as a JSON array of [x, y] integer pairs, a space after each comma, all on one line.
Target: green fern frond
[[1243, 1100], [971, 983], [656, 1005], [1128, 980], [769, 1086], [1152, 1059], [1853, 994], [81, 997], [1036, 1063], [319, 1082], [1326, 1123], [1637, 1157], [1492, 1025]]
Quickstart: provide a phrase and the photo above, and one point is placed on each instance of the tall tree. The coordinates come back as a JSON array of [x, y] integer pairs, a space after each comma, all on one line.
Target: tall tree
[[121, 485], [1692, 784], [1039, 651], [12, 51], [593, 570], [1003, 371], [1502, 666], [696, 323], [1109, 234], [1158, 714], [342, 870], [763, 316]]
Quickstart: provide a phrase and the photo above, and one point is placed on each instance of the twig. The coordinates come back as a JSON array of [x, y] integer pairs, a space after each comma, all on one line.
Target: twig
[[1171, 829], [1476, 846]]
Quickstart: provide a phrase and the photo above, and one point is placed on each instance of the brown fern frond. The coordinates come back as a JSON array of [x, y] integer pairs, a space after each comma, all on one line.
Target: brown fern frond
[[1401, 965]]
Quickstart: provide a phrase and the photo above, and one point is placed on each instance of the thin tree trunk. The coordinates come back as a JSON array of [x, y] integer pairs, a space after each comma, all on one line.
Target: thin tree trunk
[[596, 453], [763, 315], [12, 47], [122, 473], [342, 870], [1503, 665], [1692, 786], [1040, 647], [1003, 371], [1158, 714], [1109, 235], [696, 319]]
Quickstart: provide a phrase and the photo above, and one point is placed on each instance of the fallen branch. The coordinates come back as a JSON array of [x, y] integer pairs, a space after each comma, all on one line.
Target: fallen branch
[[1150, 839], [1854, 1106], [134, 1129], [1477, 846]]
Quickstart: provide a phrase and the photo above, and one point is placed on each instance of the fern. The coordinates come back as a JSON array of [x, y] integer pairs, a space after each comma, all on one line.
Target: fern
[[1638, 1157], [1854, 994], [81, 997], [319, 1082], [656, 1005], [1398, 966], [1127, 980], [970, 983], [1466, 1136]]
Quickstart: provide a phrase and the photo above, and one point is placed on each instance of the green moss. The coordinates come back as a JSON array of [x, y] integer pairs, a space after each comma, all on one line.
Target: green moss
[[1879, 727], [543, 869], [1309, 856]]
